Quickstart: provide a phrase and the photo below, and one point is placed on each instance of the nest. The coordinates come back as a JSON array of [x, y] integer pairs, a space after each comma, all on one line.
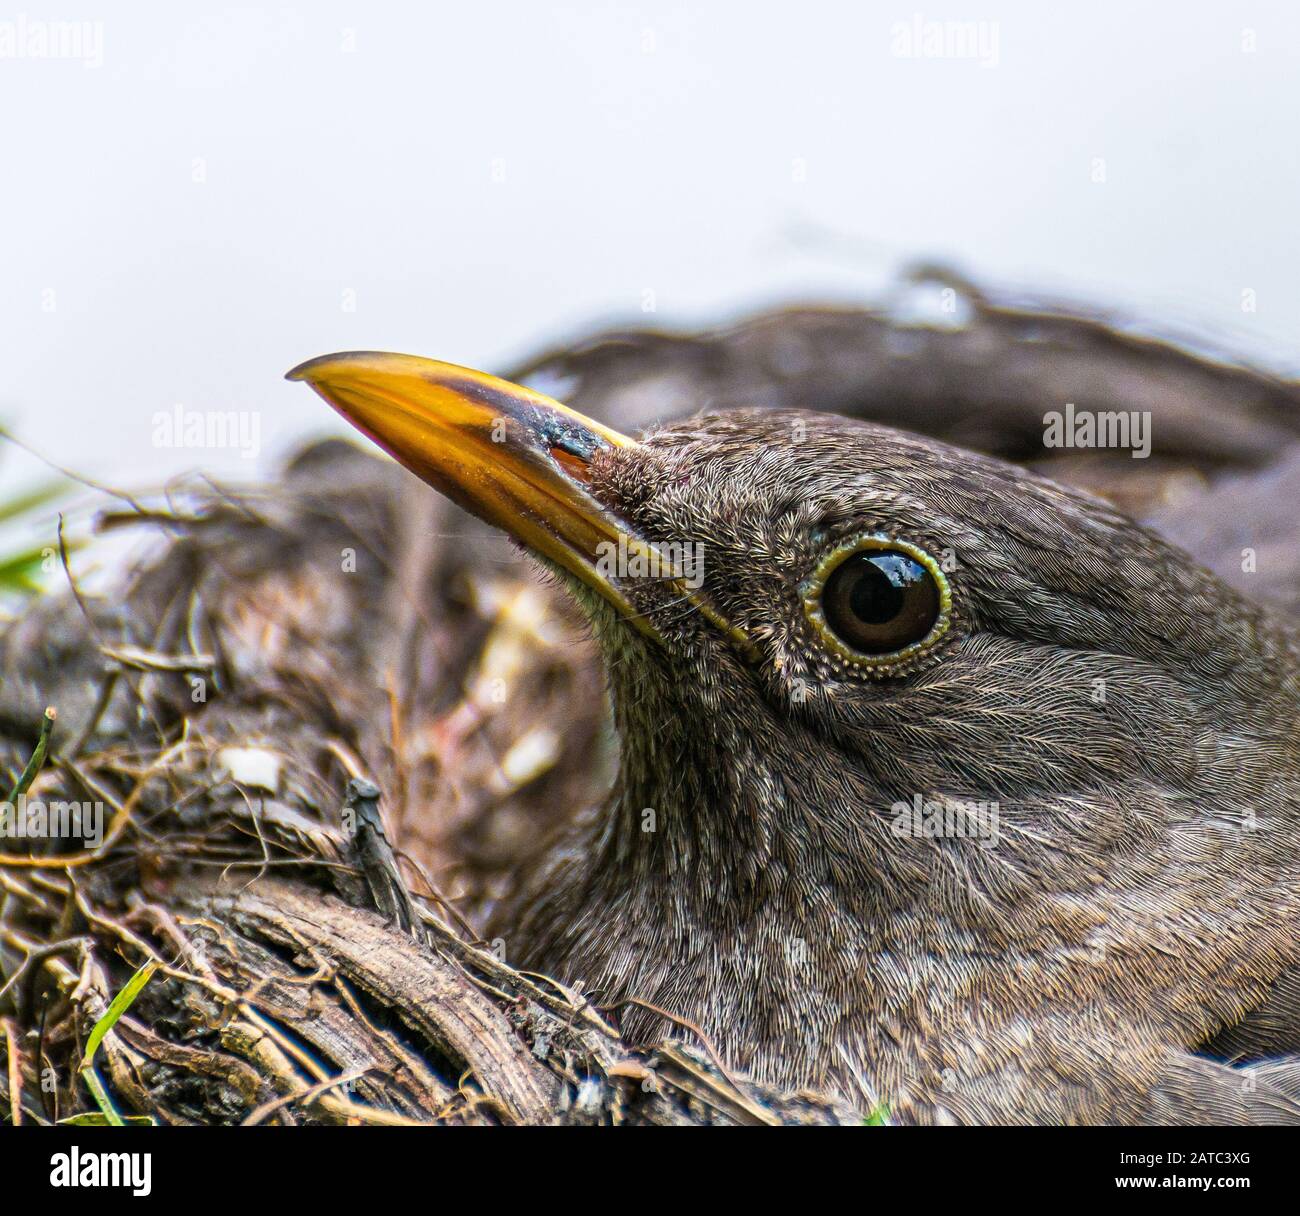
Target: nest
[[235, 709], [327, 719]]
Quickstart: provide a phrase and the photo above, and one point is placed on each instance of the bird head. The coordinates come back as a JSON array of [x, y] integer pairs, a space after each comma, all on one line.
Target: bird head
[[843, 656]]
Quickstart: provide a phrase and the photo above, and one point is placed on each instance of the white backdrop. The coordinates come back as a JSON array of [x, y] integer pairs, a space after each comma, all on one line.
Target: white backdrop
[[193, 201]]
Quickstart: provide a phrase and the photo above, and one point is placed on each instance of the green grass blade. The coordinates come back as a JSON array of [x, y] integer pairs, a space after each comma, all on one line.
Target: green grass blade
[[116, 1008], [20, 504], [97, 1118], [28, 774]]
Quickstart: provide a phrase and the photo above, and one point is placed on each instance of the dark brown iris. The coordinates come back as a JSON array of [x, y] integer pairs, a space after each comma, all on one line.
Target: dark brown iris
[[877, 602]]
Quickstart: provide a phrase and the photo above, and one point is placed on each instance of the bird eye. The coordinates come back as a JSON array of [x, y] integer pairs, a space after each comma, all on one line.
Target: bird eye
[[878, 601]]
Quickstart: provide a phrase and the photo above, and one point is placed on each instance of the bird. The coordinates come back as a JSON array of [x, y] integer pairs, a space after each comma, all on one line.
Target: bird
[[942, 787]]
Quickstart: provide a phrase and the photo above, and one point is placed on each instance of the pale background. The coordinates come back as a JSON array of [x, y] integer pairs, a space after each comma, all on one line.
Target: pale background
[[185, 220]]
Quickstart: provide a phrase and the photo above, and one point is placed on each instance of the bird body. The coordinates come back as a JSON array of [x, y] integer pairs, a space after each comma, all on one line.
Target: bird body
[[1133, 722], [1022, 866]]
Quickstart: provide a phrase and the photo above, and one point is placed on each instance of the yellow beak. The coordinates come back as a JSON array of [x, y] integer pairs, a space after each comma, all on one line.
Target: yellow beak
[[513, 457]]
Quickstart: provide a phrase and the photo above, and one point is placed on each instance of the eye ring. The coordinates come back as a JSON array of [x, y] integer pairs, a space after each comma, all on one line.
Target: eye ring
[[813, 590]]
